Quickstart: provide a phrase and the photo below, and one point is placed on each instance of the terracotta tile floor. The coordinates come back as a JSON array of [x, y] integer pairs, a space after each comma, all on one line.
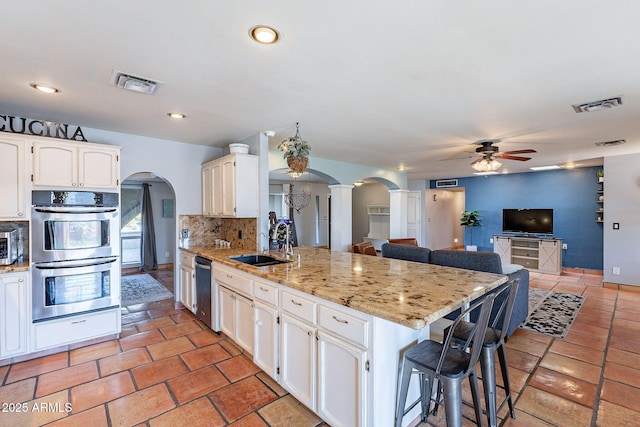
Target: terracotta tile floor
[[167, 369]]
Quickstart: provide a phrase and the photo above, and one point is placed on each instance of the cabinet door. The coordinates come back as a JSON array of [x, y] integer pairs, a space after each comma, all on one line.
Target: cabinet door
[[12, 177], [229, 187], [187, 294], [13, 314], [549, 256], [265, 338], [342, 384], [207, 190], [216, 185], [298, 360], [244, 322], [98, 167], [55, 165], [227, 312], [502, 246]]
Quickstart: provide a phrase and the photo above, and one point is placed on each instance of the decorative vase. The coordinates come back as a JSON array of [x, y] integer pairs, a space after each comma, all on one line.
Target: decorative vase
[[298, 163]]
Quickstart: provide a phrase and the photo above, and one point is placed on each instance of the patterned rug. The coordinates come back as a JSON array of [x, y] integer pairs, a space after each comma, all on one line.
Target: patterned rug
[[555, 315], [140, 288]]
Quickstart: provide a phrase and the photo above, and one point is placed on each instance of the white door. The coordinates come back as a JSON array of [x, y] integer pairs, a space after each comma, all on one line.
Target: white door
[[229, 187], [548, 259], [227, 311], [216, 188], [298, 360], [55, 165], [502, 246], [265, 338], [12, 177], [13, 314], [341, 382], [414, 213], [244, 322], [186, 287], [98, 168], [207, 190]]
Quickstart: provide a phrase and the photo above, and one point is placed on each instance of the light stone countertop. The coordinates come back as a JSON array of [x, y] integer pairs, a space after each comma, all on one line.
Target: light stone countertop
[[22, 264], [409, 293]]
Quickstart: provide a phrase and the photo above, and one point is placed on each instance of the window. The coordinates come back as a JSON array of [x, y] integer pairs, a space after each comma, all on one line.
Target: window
[[131, 225]]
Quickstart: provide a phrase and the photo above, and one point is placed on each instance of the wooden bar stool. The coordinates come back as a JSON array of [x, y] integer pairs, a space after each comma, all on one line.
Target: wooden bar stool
[[443, 363]]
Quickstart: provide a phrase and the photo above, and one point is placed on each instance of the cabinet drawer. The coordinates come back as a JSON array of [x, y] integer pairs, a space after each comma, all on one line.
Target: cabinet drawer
[[233, 280], [187, 258], [344, 325], [76, 328], [266, 293], [299, 307]]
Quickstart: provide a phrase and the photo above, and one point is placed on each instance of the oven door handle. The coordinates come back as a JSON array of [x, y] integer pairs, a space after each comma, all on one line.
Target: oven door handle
[[75, 263], [75, 210]]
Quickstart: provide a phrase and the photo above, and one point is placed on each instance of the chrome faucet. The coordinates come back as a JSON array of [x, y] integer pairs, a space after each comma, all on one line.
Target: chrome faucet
[[288, 248]]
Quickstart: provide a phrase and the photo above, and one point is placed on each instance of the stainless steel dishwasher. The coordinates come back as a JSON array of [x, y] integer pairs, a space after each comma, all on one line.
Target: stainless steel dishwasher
[[203, 290]]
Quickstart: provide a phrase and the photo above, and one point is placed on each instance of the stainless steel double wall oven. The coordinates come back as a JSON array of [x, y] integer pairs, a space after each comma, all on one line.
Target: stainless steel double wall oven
[[75, 252]]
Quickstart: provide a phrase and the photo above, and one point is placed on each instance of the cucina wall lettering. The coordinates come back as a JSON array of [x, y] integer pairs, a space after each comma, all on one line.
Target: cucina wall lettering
[[40, 128]]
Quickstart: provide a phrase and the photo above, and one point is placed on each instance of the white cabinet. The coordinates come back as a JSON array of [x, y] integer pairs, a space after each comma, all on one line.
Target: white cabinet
[[13, 178], [236, 317], [187, 280], [75, 165], [265, 338], [14, 314], [230, 186], [77, 328], [298, 359], [342, 382], [536, 254]]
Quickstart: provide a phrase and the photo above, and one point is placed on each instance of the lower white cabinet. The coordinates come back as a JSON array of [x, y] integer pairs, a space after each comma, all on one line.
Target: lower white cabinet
[[298, 359], [236, 317], [265, 338], [82, 327], [14, 314], [188, 280], [342, 382]]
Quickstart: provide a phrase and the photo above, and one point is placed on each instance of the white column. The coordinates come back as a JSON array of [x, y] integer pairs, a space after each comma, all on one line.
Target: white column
[[398, 213], [341, 216]]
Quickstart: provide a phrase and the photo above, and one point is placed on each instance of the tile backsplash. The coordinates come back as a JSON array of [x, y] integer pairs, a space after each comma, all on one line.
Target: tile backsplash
[[241, 232]]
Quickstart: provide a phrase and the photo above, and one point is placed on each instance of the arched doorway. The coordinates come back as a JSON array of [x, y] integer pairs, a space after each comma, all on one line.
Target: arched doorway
[[163, 209]]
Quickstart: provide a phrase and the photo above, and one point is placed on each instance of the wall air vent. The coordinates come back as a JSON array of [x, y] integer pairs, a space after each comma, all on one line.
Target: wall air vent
[[603, 104], [610, 143], [134, 83], [444, 183]]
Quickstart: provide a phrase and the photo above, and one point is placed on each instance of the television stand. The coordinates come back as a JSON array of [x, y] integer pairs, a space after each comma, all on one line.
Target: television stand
[[542, 254]]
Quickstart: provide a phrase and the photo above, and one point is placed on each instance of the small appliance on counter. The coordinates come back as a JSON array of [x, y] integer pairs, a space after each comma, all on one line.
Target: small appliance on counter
[[8, 246]]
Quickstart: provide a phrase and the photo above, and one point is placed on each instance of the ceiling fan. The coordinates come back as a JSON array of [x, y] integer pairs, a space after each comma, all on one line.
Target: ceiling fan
[[489, 153]]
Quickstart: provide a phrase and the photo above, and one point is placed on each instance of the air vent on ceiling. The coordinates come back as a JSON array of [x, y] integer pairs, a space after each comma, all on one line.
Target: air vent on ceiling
[[134, 83], [610, 143], [443, 183], [602, 104]]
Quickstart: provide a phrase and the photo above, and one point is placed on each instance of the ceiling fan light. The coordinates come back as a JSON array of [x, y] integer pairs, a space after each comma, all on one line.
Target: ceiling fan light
[[485, 165]]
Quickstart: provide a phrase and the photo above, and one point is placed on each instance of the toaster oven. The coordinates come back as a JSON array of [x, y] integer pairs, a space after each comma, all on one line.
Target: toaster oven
[[8, 247]]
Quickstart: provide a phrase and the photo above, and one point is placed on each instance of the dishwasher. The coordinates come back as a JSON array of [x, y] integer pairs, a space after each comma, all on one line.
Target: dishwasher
[[203, 290]]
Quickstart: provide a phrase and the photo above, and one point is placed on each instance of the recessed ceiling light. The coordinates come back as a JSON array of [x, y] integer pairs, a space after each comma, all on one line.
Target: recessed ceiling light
[[544, 168], [44, 88], [176, 115], [264, 34], [402, 168], [358, 183]]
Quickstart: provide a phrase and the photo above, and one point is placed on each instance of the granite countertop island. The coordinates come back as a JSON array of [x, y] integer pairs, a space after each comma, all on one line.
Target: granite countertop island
[[408, 293]]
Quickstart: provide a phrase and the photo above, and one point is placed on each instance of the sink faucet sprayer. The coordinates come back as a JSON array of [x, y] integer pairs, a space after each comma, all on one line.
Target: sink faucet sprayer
[[288, 248]]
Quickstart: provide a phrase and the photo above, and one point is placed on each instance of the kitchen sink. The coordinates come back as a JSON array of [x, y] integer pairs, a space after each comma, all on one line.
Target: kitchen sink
[[258, 260]]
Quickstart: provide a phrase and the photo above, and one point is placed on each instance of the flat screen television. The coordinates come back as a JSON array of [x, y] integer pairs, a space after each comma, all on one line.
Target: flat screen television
[[529, 221]]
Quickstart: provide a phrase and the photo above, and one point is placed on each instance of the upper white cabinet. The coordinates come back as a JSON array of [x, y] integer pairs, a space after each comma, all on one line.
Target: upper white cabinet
[[230, 186], [75, 165], [13, 178]]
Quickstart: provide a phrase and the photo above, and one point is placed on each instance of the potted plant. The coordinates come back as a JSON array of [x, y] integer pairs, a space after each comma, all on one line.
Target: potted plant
[[296, 151], [600, 175], [471, 219]]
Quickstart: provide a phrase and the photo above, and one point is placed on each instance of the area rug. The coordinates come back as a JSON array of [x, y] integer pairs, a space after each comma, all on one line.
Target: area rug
[[141, 288], [537, 297], [555, 315]]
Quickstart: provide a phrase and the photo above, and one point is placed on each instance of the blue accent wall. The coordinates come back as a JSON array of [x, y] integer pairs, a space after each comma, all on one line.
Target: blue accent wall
[[572, 194]]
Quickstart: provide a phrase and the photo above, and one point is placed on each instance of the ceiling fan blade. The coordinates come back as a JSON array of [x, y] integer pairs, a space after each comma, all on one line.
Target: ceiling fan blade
[[459, 157], [529, 150], [507, 157], [477, 160]]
